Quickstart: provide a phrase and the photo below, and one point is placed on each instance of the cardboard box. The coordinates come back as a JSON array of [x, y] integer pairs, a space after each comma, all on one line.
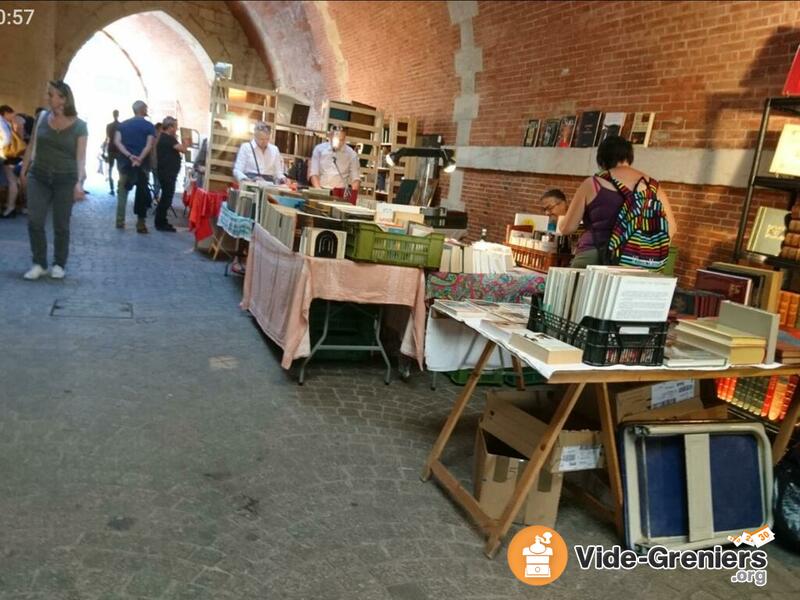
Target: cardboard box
[[642, 398], [520, 419], [497, 469], [688, 410]]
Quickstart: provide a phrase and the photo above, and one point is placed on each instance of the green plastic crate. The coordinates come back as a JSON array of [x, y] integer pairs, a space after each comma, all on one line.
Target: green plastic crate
[[497, 377], [368, 242]]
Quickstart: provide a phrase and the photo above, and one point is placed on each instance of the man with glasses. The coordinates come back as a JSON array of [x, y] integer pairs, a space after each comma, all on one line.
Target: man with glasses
[[335, 166], [555, 203], [258, 159]]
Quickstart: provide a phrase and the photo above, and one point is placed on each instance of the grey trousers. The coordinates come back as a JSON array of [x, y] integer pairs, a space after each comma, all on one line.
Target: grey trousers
[[585, 258], [122, 196], [56, 192]]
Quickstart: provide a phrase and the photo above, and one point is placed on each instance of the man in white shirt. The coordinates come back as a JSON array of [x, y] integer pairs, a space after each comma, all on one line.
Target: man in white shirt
[[334, 164], [258, 159]]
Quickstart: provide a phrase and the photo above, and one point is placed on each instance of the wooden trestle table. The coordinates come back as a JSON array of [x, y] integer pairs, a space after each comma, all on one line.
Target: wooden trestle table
[[576, 378]]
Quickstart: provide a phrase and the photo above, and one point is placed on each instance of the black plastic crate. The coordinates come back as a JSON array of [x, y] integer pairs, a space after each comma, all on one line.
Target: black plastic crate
[[449, 219], [606, 342]]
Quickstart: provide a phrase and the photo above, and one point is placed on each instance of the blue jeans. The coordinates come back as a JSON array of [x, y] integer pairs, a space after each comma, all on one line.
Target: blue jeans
[[54, 190]]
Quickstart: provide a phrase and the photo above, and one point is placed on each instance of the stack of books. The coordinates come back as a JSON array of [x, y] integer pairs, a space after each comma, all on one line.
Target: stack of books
[[788, 309], [767, 398], [609, 293], [502, 312], [790, 249], [480, 257], [788, 346], [736, 346]]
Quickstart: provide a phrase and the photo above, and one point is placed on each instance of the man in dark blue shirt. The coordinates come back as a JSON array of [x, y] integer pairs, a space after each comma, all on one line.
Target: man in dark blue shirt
[[134, 139]]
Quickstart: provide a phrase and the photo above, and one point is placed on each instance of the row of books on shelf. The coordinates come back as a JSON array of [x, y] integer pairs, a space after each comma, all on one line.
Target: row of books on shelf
[[610, 293], [764, 397], [479, 257], [696, 303], [585, 130], [789, 309]]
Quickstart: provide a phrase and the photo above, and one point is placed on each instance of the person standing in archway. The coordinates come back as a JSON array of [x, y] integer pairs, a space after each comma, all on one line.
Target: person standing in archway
[[57, 161], [168, 152], [112, 152], [134, 139]]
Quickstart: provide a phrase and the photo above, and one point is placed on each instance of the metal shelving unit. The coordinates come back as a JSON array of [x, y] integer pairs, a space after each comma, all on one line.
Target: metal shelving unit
[[781, 106]]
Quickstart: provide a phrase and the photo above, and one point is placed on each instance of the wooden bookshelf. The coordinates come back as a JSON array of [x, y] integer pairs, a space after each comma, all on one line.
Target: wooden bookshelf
[[296, 142], [364, 126], [238, 108]]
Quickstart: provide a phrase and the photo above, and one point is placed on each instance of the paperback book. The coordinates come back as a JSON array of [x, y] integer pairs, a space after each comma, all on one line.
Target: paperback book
[[612, 125], [566, 131], [549, 135], [641, 128], [588, 128]]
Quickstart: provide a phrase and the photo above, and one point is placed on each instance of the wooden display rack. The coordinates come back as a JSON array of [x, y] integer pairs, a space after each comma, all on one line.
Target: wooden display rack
[[238, 107], [364, 126], [296, 142], [531, 258], [398, 132]]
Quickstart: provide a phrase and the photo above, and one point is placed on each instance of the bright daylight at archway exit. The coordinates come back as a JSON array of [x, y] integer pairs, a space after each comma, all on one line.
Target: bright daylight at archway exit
[[148, 56]]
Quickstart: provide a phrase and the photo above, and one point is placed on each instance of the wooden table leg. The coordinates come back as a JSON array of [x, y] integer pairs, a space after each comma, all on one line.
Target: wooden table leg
[[531, 472], [518, 370], [786, 429], [608, 435], [458, 408]]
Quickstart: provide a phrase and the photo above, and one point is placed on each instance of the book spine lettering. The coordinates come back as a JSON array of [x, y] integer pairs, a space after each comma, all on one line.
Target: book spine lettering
[[790, 392], [773, 386]]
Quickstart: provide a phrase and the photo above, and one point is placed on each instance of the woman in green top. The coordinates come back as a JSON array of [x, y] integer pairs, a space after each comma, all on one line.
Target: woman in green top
[[57, 161]]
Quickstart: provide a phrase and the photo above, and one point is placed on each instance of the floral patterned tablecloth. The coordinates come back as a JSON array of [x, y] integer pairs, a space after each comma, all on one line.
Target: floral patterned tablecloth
[[496, 287]]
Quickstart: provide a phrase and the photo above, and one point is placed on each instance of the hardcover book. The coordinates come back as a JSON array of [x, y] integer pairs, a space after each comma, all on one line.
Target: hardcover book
[[769, 230], [531, 133], [549, 135], [786, 160], [732, 287], [642, 127], [769, 280], [612, 125], [566, 131], [588, 128]]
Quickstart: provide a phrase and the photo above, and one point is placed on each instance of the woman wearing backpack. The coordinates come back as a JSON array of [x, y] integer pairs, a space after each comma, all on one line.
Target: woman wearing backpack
[[608, 204]]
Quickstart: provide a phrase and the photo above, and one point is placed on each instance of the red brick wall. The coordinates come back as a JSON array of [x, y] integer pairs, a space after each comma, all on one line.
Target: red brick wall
[[704, 68], [708, 216], [400, 58]]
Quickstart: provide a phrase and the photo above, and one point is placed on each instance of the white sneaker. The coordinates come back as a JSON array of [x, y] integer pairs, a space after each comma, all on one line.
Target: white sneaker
[[57, 272], [34, 273]]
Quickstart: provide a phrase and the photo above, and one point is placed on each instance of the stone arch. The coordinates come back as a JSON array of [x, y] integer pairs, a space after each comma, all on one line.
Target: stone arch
[[203, 23]]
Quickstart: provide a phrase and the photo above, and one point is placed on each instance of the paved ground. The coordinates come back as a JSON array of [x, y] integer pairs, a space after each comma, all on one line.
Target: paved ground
[[167, 455]]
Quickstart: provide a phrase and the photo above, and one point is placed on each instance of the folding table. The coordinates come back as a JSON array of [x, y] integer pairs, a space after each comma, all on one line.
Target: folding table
[[577, 377]]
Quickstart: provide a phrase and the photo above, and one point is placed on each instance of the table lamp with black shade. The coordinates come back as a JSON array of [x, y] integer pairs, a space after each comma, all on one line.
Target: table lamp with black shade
[[432, 157]]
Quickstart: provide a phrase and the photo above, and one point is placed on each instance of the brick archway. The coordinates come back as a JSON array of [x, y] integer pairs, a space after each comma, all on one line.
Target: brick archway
[[211, 25]]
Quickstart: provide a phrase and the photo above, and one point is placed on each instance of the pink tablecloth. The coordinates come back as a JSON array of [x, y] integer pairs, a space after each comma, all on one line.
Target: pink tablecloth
[[279, 286]]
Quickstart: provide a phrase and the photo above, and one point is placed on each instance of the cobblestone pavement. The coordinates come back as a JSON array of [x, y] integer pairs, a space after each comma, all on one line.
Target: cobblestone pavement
[[165, 454]]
